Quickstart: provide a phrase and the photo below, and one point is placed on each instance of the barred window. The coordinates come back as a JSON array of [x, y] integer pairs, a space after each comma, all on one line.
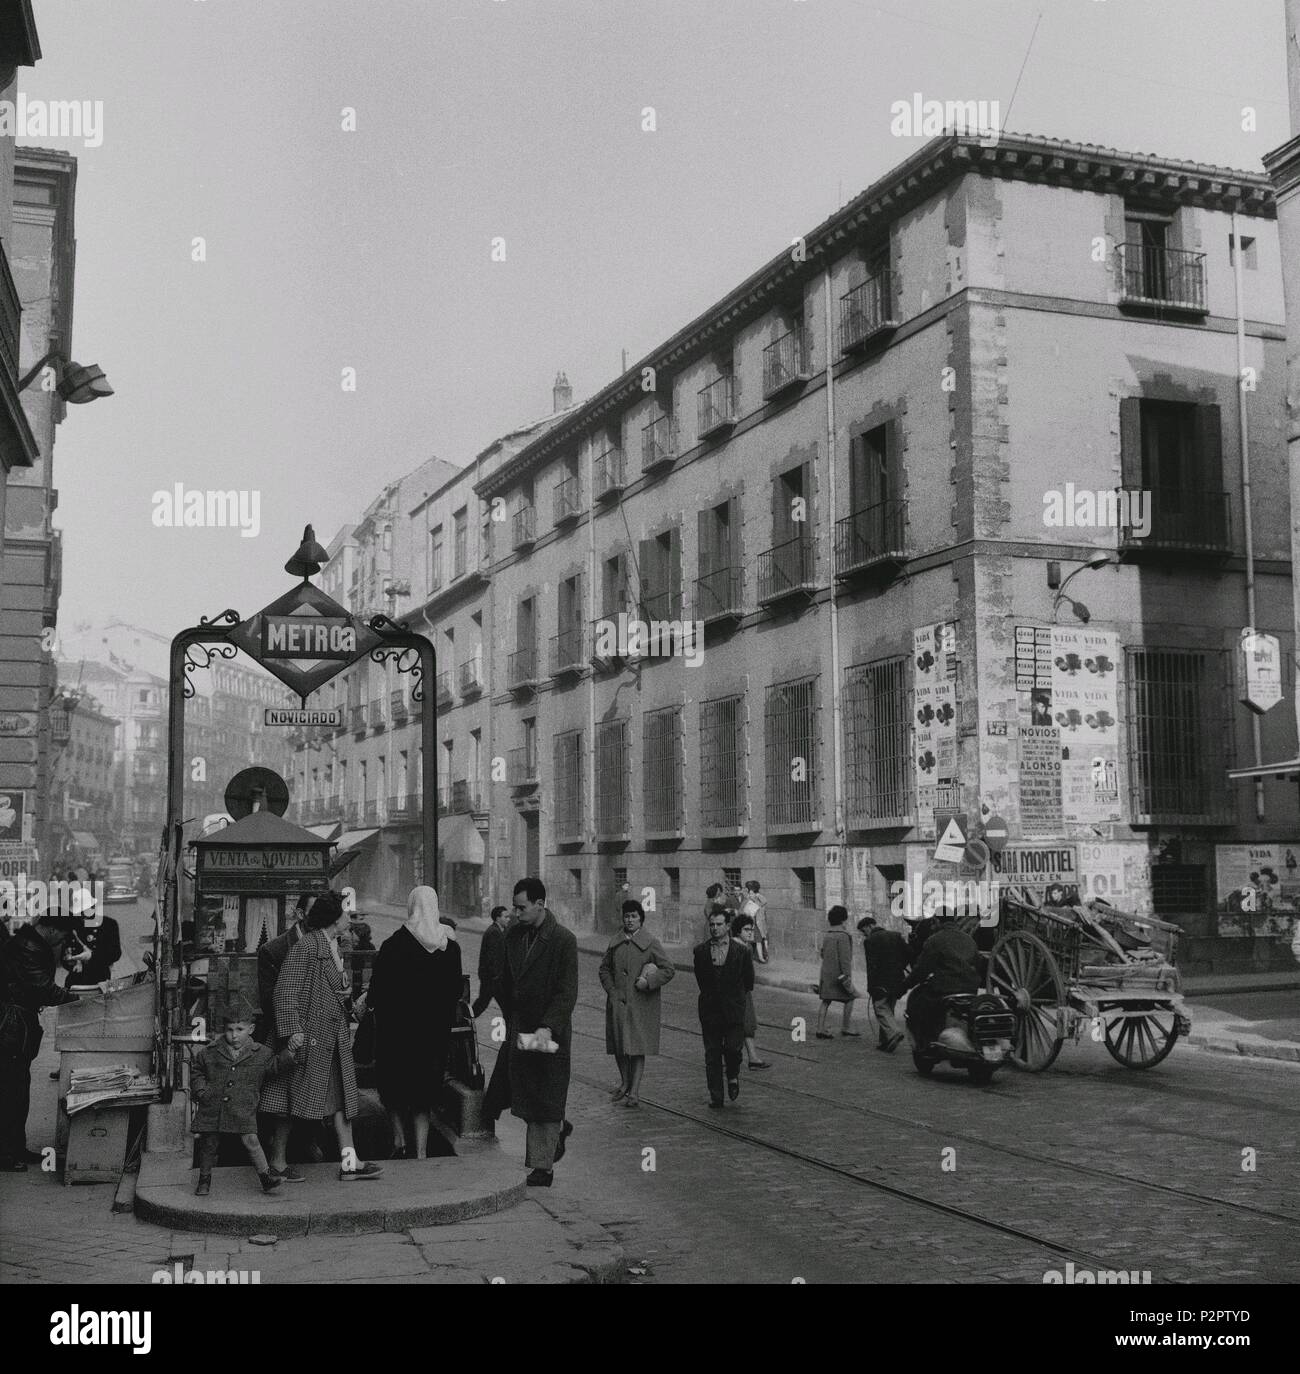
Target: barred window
[[568, 786], [1178, 736], [877, 736], [722, 763], [792, 765], [662, 743], [613, 800]]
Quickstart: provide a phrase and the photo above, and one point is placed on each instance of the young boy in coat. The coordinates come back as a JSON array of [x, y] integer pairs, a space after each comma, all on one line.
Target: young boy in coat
[[225, 1083]]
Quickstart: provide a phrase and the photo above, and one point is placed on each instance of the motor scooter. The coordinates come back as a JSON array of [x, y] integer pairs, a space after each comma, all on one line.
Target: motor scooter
[[976, 1036]]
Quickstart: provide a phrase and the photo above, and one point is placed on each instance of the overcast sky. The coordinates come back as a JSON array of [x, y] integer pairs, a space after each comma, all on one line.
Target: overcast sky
[[482, 118]]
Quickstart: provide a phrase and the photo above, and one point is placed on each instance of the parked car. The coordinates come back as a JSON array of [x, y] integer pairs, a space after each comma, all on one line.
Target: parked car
[[120, 884]]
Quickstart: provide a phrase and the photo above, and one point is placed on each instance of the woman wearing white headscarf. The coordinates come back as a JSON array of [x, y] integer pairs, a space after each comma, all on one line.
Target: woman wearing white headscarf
[[413, 993]]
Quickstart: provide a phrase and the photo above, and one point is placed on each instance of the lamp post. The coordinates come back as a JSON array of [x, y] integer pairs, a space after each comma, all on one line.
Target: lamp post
[[1098, 560], [77, 383]]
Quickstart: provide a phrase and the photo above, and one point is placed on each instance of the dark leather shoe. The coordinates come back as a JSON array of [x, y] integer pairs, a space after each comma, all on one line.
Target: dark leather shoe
[[204, 1185], [733, 1088], [540, 1178], [716, 1102], [565, 1132]]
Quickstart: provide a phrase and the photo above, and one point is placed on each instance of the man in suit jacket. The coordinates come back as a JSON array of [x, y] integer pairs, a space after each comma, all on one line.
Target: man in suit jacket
[[538, 992], [725, 973], [491, 960]]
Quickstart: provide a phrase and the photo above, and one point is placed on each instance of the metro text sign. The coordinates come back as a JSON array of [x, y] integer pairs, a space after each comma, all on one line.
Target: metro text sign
[[287, 636]]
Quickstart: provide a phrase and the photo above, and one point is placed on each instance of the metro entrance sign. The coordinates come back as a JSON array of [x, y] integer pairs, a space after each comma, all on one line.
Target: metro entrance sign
[[305, 638]]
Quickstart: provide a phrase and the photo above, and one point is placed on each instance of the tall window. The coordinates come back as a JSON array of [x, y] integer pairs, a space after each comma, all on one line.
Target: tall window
[[1179, 730], [792, 755], [719, 588], [663, 762], [722, 763], [613, 802], [877, 743], [614, 585], [460, 542], [568, 786], [661, 575]]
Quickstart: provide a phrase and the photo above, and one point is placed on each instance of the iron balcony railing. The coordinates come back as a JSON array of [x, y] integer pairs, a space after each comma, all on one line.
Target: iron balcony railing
[[1170, 277], [10, 315], [377, 714], [658, 443], [609, 473], [869, 536], [358, 718], [787, 568], [716, 406], [402, 808], [566, 651], [662, 606], [352, 813], [1182, 520], [330, 807], [471, 677], [866, 311], [521, 668], [397, 699], [373, 811], [786, 363], [521, 766], [718, 594], [459, 796], [524, 529], [568, 500], [606, 649]]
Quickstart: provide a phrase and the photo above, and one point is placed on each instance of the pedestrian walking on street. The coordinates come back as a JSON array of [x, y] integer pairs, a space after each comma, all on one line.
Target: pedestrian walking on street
[[491, 960], [836, 983], [226, 1080], [633, 970], [413, 993], [312, 1015], [755, 905], [743, 928], [725, 973], [29, 959], [886, 956], [539, 990]]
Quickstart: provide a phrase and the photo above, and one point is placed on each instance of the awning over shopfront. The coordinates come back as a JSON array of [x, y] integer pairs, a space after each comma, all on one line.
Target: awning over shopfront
[[352, 839], [326, 832], [83, 839], [459, 841], [1282, 772]]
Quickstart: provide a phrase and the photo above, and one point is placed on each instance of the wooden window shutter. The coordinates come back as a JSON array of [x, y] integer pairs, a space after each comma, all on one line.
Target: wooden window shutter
[[735, 553], [810, 516], [1207, 467], [893, 462], [858, 486], [704, 527], [1130, 441], [674, 578], [647, 564], [780, 511]]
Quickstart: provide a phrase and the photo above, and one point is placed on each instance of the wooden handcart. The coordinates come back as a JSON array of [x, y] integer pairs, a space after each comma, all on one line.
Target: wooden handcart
[[1087, 969]]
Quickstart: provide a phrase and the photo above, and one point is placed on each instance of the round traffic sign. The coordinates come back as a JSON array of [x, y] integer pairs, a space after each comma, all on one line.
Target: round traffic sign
[[976, 855], [995, 834]]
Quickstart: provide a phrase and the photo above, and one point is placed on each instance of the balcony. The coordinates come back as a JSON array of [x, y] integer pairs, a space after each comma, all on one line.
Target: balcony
[[566, 652], [372, 812], [403, 809], [1183, 522], [442, 689], [329, 808], [787, 363], [397, 700], [521, 767], [609, 474], [357, 716], [568, 500], [716, 407], [465, 797], [607, 654], [658, 444], [352, 814], [377, 721], [1151, 277], [867, 311], [719, 594], [471, 677], [521, 670], [787, 569], [60, 727], [870, 538], [444, 799], [523, 534]]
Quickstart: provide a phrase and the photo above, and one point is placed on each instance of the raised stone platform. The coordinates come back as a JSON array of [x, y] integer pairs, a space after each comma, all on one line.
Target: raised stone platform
[[411, 1193]]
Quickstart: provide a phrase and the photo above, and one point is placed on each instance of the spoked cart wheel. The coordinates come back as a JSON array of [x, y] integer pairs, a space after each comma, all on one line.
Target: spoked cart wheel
[[1022, 970], [1139, 1038]]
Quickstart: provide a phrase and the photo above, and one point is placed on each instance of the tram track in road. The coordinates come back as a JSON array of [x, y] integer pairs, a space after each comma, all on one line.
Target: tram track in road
[[948, 1134]]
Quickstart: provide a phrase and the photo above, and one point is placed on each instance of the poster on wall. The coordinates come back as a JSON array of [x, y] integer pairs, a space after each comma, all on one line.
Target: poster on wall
[[1257, 889], [1070, 686], [934, 684], [1118, 873], [1040, 780], [1049, 871]]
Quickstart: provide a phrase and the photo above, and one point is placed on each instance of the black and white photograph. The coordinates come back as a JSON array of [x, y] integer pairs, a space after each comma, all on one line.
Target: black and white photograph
[[650, 643]]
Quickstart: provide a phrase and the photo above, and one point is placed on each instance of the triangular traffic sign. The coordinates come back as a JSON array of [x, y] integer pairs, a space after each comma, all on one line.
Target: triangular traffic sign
[[952, 843]]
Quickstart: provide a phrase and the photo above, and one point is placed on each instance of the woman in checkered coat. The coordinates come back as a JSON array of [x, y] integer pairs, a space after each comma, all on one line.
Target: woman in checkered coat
[[312, 1015]]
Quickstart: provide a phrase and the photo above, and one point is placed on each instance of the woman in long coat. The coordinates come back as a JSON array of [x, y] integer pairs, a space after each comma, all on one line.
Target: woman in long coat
[[836, 982], [633, 970], [312, 1016], [413, 993]]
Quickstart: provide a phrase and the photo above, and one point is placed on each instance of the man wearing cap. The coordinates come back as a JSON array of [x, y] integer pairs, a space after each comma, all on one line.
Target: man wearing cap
[[28, 963], [946, 965], [886, 954], [99, 937]]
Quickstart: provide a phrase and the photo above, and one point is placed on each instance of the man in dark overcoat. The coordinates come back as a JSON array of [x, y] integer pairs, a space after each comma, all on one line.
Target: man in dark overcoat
[[538, 992], [887, 960], [491, 959], [725, 973]]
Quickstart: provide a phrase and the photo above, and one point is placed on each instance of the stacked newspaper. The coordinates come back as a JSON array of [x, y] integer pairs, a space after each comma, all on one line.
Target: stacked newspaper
[[116, 1083]]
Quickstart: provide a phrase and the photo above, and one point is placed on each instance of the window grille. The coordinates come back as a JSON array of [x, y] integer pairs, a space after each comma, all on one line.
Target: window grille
[[722, 763], [568, 786], [792, 765], [877, 743], [613, 802], [807, 880], [663, 771]]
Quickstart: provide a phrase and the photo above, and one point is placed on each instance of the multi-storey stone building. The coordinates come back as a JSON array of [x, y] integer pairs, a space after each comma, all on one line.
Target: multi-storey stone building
[[83, 824], [867, 472]]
